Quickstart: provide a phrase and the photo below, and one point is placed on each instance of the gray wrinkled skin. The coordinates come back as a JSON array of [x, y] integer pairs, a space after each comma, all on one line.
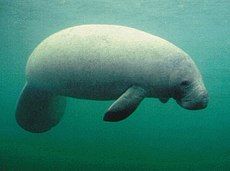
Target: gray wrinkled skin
[[101, 62]]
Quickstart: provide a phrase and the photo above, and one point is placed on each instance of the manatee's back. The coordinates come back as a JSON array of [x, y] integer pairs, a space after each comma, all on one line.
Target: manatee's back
[[97, 54]]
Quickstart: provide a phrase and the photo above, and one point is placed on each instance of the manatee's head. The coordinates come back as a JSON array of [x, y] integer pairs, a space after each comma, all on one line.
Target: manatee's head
[[187, 85]]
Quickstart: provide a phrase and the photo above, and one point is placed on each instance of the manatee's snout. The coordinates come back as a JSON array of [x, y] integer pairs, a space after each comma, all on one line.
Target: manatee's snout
[[200, 103], [194, 102]]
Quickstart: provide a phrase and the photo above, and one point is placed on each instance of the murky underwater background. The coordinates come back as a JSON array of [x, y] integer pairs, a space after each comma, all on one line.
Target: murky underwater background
[[157, 136]]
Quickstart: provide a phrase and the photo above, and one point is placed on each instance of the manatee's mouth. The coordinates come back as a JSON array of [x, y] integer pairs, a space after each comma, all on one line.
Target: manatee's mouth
[[194, 103]]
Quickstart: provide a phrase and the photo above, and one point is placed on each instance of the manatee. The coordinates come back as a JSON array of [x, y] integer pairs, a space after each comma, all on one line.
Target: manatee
[[105, 62]]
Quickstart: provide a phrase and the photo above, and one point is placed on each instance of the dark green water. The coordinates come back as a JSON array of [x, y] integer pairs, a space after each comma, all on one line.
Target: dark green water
[[157, 136]]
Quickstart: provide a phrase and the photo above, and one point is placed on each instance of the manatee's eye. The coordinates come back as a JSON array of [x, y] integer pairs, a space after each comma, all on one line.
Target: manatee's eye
[[184, 83]]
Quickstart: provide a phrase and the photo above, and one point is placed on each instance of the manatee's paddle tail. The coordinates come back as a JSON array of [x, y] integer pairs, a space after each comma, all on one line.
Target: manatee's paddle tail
[[39, 110], [125, 105]]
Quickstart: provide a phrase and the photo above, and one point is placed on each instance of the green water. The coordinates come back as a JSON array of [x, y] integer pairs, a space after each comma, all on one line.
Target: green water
[[157, 136]]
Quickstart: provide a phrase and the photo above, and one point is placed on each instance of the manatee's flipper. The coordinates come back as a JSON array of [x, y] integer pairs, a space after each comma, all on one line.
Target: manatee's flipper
[[164, 100], [125, 105], [39, 110]]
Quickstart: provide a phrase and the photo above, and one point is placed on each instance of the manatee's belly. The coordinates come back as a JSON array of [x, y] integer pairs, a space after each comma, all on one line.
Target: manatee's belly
[[95, 92]]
